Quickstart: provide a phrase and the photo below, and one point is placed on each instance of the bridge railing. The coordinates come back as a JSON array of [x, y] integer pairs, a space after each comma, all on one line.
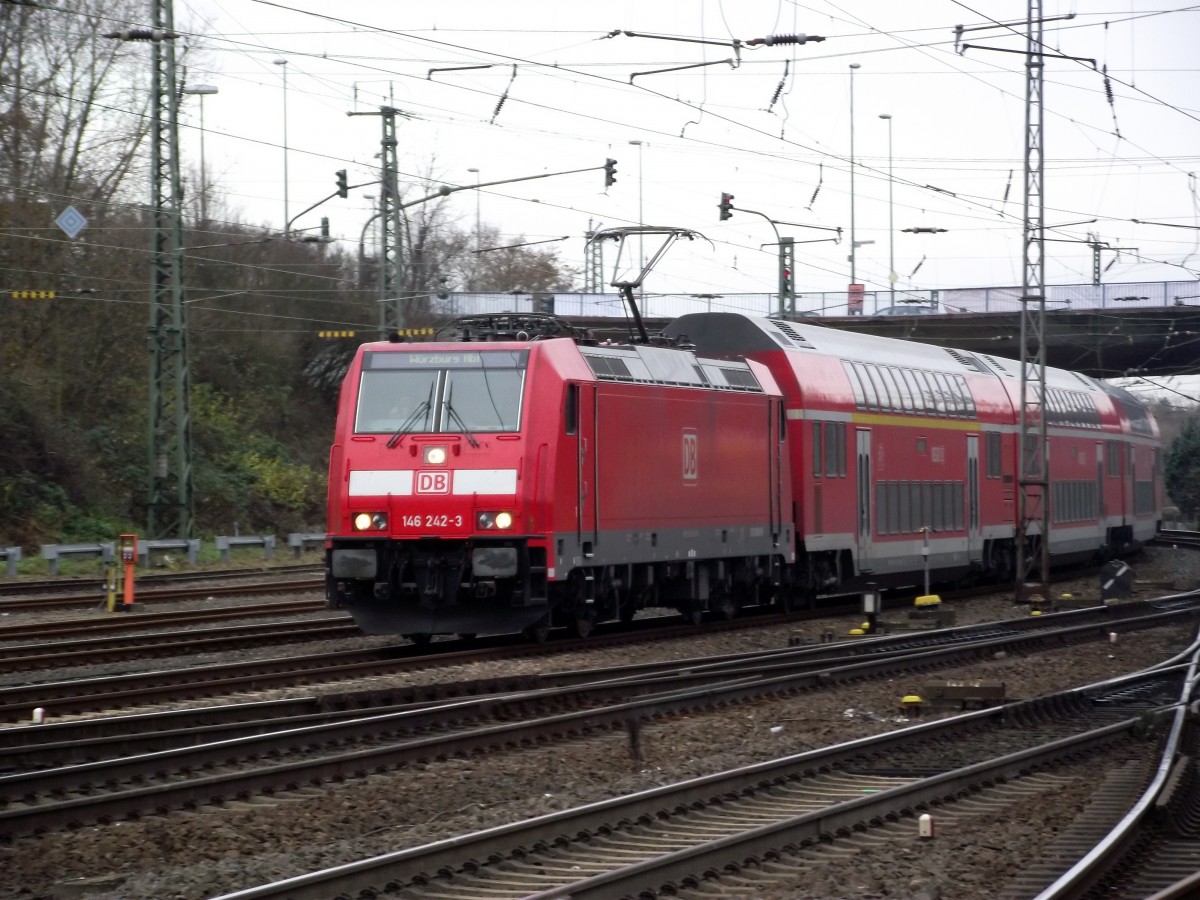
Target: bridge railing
[[1122, 295]]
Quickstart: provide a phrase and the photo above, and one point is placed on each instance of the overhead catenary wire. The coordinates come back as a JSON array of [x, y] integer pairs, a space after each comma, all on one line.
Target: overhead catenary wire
[[556, 71]]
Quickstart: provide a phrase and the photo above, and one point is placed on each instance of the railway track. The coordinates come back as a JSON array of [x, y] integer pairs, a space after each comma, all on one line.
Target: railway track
[[1153, 849], [1177, 537], [69, 628], [758, 827], [93, 595], [502, 714], [80, 582], [284, 810], [172, 685], [91, 651], [74, 642]]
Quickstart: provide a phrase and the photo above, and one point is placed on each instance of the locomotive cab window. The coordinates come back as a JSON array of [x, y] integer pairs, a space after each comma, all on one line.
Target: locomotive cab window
[[571, 418], [437, 392]]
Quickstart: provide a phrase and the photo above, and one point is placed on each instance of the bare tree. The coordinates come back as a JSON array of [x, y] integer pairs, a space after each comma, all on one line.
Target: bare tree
[[77, 101], [514, 264]]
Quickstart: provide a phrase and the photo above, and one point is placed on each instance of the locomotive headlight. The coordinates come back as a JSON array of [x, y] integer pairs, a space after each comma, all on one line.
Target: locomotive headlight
[[434, 456], [370, 522], [493, 521]]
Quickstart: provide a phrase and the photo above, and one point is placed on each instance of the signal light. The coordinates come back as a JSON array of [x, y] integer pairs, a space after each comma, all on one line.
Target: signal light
[[610, 172], [726, 206], [343, 189]]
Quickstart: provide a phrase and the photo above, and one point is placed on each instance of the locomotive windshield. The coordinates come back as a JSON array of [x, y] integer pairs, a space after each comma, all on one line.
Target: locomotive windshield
[[423, 392]]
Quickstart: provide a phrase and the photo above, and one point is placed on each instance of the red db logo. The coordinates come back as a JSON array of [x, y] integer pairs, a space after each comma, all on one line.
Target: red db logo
[[433, 482], [691, 455]]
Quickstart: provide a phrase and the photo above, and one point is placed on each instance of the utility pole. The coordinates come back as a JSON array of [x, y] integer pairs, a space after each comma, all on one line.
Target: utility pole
[[853, 242], [170, 506], [1033, 476], [593, 262], [391, 269], [391, 304], [1033, 458]]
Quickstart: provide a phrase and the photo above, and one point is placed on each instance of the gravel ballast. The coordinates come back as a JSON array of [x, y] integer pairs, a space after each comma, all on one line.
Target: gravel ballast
[[212, 851]]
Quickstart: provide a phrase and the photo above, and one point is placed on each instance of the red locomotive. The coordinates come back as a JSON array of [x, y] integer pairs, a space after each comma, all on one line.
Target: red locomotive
[[498, 483]]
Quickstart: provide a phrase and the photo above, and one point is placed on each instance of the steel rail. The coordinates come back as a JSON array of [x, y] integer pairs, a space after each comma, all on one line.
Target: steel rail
[[608, 871], [722, 687]]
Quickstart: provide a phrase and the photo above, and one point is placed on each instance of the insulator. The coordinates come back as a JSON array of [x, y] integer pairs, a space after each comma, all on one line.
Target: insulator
[[772, 39], [142, 34], [816, 191]]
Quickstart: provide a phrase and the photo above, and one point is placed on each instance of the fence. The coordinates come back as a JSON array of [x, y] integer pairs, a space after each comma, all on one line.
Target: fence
[[106, 550], [13, 556], [1124, 295], [53, 552]]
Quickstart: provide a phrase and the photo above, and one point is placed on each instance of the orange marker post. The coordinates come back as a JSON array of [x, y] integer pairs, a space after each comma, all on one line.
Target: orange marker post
[[128, 547]]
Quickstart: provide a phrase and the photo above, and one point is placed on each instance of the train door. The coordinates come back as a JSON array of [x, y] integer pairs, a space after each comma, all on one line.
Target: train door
[[974, 534], [775, 426], [866, 549], [587, 465], [1129, 488], [1100, 510]]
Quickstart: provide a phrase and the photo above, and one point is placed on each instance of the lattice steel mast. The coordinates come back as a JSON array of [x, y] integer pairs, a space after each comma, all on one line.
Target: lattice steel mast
[[391, 269], [169, 501], [593, 263], [1033, 462]]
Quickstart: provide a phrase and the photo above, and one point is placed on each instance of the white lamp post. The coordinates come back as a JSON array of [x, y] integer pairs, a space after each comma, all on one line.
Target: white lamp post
[[201, 90], [891, 226], [478, 230], [853, 240], [641, 222], [283, 63]]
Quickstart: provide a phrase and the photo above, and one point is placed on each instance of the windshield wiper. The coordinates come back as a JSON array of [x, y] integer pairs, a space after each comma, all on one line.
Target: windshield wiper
[[422, 408], [461, 424], [406, 424]]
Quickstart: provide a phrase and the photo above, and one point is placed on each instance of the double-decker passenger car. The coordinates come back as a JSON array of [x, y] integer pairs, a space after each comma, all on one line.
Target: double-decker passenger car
[[902, 452]]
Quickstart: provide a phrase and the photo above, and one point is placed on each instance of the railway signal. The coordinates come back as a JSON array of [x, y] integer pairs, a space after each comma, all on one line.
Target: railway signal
[[726, 206], [343, 188], [610, 172]]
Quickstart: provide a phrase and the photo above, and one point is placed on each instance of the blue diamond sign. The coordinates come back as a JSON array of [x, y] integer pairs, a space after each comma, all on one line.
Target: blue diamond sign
[[71, 221]]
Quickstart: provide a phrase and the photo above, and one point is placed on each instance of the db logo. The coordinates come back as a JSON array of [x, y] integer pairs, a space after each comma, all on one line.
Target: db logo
[[691, 455], [433, 482]]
